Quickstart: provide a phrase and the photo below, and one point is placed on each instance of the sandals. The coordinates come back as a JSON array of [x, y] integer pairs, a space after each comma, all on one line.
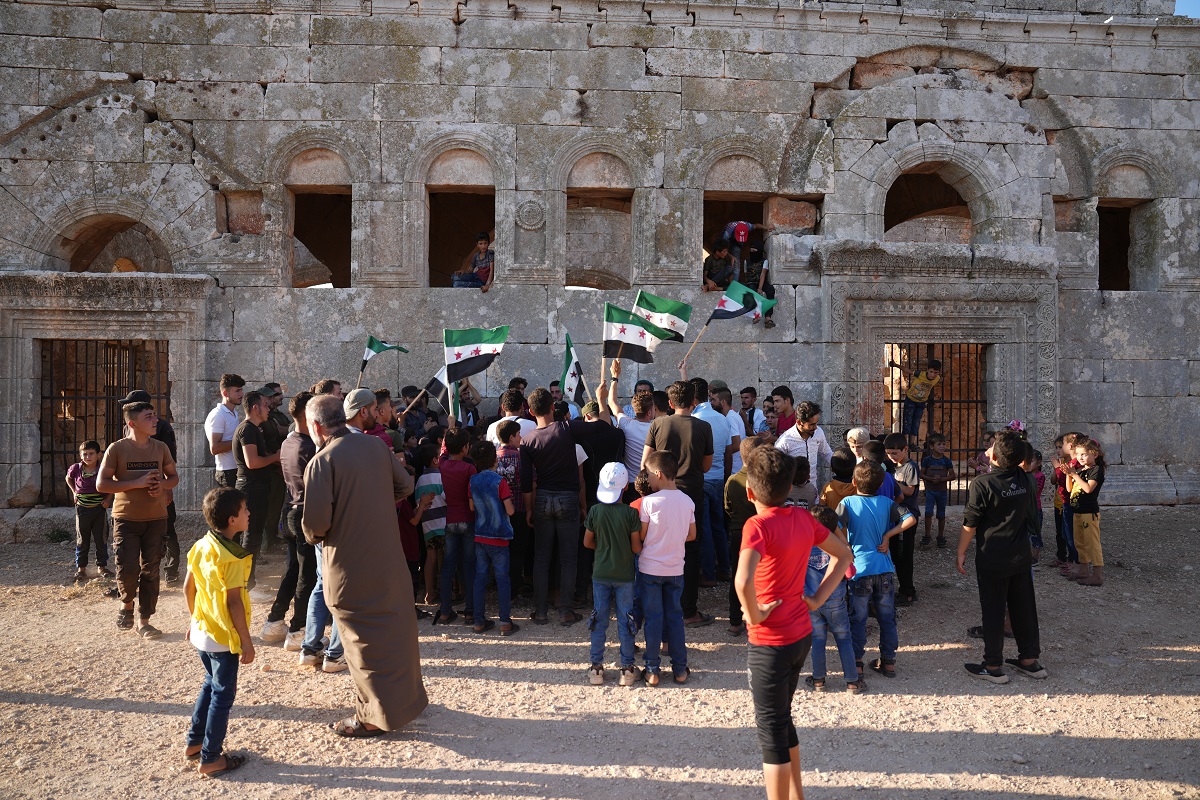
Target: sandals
[[351, 728], [682, 677], [232, 762], [444, 619], [125, 619], [856, 687], [148, 631], [1034, 670], [570, 618], [536, 620], [816, 684], [652, 677], [510, 630], [736, 630], [485, 627], [885, 668], [701, 620], [860, 666]]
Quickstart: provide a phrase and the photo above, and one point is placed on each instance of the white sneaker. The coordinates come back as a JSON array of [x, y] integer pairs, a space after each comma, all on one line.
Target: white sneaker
[[310, 659], [596, 675], [629, 676], [293, 641], [335, 665], [273, 632]]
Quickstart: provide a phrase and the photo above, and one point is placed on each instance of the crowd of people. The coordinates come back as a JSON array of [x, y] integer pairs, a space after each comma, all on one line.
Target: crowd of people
[[618, 508]]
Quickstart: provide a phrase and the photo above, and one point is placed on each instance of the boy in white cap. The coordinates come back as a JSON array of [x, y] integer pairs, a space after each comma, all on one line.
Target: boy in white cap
[[612, 530]]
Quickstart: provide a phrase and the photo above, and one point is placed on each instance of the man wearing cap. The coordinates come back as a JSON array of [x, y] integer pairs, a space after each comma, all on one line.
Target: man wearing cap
[[359, 408], [254, 467], [274, 430], [349, 510], [855, 439], [220, 425], [165, 434]]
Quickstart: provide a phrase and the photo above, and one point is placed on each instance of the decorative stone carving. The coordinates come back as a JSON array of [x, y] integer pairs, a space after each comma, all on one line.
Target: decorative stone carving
[[531, 215]]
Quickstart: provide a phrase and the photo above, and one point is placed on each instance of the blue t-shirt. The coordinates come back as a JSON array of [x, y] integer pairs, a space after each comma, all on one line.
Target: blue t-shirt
[[866, 520], [946, 467], [722, 438], [491, 520], [888, 487]]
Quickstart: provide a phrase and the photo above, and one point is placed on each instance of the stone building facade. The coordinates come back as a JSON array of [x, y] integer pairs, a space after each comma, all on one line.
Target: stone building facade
[[1018, 174]]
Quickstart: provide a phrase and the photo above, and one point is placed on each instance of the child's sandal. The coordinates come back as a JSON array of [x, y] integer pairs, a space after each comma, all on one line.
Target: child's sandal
[[856, 687], [861, 668], [885, 668], [816, 684]]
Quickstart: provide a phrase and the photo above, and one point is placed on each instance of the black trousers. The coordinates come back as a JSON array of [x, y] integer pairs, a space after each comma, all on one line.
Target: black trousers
[[170, 563], [258, 493], [735, 552], [774, 676], [902, 548], [1014, 593], [300, 577], [138, 547], [273, 530], [226, 478]]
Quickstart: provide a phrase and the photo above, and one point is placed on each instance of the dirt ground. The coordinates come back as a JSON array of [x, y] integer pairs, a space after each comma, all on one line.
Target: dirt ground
[[86, 708]]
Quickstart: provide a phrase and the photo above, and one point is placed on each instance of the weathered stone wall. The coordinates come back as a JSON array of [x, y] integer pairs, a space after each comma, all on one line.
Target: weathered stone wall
[[195, 125]]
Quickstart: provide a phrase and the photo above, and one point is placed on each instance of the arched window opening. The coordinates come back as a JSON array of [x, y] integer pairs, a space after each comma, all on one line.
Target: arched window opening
[[115, 243], [320, 188], [599, 234], [922, 207], [1125, 213], [461, 205]]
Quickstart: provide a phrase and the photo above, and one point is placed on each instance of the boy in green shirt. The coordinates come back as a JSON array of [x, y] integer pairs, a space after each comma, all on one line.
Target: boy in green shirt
[[611, 529], [219, 604]]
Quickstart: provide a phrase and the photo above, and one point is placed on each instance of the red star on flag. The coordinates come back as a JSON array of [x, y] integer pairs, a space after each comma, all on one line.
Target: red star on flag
[[622, 330], [573, 375], [457, 356], [649, 317], [757, 315], [495, 350], [641, 334], [671, 323], [475, 352], [722, 303]]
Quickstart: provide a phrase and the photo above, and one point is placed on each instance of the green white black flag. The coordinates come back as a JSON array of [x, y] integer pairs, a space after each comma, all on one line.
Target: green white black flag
[[670, 315], [472, 350], [573, 388], [375, 347]]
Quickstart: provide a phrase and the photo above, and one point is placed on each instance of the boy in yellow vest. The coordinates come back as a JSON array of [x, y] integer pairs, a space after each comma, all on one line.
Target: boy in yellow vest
[[219, 604]]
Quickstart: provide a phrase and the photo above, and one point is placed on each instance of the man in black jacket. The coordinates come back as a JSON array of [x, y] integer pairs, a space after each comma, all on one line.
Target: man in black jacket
[[1001, 510]]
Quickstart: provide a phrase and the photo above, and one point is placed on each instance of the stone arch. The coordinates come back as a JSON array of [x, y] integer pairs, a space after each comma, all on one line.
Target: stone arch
[[296, 143], [635, 158], [497, 156], [696, 173], [73, 235], [1113, 158], [806, 164]]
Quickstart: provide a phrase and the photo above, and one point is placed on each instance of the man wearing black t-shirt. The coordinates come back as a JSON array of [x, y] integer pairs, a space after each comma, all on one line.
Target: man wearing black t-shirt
[[254, 467], [690, 440], [1001, 510]]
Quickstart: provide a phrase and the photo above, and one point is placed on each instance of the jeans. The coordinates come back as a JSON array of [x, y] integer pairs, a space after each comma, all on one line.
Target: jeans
[[774, 676], [664, 618], [1035, 538], [1014, 593], [555, 519], [468, 281], [735, 604], [933, 497], [138, 547], [459, 551], [880, 589], [714, 547], [210, 717], [276, 504], [91, 525], [1068, 530], [520, 551], [257, 492], [604, 595], [318, 618], [301, 576], [833, 618], [911, 425], [498, 558]]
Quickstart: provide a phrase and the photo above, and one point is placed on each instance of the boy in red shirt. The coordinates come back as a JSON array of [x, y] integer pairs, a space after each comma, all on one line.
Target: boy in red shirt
[[460, 525], [776, 543]]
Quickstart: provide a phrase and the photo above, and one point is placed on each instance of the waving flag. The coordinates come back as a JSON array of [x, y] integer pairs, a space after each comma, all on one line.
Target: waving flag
[[445, 392], [573, 388], [472, 350], [375, 347], [739, 300], [670, 315], [630, 336]]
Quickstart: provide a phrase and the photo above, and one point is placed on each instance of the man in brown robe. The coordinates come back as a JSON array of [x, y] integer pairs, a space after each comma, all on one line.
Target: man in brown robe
[[348, 509]]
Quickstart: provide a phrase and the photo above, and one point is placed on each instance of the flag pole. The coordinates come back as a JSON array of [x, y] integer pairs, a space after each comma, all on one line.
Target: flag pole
[[693, 347], [414, 402], [360, 374]]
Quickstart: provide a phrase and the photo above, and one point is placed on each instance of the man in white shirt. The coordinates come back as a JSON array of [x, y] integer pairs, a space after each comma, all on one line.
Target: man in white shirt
[[755, 416], [806, 438], [219, 427], [636, 425], [641, 387], [511, 403], [721, 400]]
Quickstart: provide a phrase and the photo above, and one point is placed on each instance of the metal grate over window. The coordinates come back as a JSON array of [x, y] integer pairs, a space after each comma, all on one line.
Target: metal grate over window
[[83, 382], [957, 406]]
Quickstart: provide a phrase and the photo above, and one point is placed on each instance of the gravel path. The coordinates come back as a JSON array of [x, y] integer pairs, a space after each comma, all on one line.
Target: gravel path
[[86, 708]]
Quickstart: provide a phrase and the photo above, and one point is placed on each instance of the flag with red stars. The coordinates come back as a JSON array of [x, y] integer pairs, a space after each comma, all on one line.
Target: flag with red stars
[[670, 315], [627, 335], [573, 387], [472, 350], [739, 300]]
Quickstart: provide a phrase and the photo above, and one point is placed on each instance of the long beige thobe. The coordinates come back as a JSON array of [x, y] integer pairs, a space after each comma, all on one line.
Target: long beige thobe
[[349, 488]]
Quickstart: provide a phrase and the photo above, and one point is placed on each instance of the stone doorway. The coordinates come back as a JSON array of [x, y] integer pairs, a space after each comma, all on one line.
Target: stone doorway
[[83, 382], [957, 406]]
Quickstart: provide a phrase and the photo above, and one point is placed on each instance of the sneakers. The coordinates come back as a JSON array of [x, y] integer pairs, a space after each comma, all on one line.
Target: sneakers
[[941, 542], [983, 673], [293, 641], [926, 540], [1034, 670], [335, 664], [596, 675], [310, 660], [273, 632], [629, 676]]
